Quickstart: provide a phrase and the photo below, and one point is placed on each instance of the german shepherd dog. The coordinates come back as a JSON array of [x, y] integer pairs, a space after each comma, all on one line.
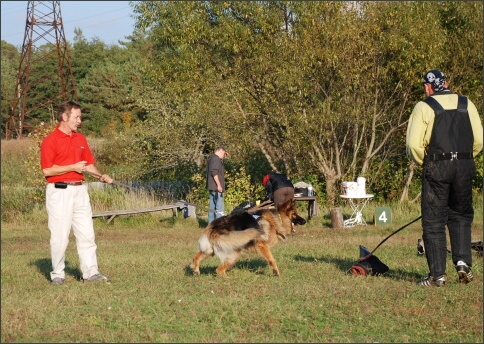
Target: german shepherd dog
[[229, 236]]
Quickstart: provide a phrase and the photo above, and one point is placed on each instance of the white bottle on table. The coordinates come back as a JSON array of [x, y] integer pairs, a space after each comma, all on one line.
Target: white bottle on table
[[310, 190]]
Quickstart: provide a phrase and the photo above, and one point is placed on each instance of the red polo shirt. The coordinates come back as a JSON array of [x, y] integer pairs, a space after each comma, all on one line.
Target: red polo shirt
[[61, 149]]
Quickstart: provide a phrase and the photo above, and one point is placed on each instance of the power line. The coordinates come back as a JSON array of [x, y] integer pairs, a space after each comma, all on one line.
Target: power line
[[88, 22]]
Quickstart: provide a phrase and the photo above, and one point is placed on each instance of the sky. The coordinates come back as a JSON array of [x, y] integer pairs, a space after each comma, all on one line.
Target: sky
[[109, 21]]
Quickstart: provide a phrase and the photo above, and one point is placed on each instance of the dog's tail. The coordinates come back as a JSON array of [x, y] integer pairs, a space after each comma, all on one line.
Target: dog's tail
[[234, 240]]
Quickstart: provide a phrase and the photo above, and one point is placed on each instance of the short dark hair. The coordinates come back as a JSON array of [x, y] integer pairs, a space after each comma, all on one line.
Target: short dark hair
[[219, 148], [66, 107]]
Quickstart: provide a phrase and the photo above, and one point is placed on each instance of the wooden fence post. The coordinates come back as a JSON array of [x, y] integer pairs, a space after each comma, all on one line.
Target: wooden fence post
[[336, 217]]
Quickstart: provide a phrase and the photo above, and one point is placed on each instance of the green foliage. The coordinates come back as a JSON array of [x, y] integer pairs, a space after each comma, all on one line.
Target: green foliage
[[32, 162], [458, 19], [96, 120], [240, 188], [49, 83], [109, 81], [20, 200], [352, 106], [9, 66], [198, 193], [86, 56], [307, 88], [479, 177], [255, 163], [23, 184]]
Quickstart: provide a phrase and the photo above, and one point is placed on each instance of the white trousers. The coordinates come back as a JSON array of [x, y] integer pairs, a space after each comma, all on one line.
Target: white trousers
[[71, 208]]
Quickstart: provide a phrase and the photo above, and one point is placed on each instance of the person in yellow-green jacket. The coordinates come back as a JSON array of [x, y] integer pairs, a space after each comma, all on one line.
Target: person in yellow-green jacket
[[444, 134]]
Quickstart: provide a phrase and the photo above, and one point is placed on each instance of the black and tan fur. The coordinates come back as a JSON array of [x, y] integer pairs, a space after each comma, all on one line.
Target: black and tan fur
[[229, 236]]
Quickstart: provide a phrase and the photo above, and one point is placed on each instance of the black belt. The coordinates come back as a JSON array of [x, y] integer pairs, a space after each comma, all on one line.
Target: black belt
[[449, 156], [63, 185]]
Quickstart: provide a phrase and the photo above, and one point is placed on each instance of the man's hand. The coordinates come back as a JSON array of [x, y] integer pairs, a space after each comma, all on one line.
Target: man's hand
[[79, 167], [106, 179]]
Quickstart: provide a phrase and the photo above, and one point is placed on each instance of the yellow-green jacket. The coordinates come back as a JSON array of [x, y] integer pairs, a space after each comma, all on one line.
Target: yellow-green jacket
[[421, 122]]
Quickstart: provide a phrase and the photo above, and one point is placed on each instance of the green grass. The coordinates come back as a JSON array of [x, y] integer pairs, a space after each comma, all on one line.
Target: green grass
[[155, 298]]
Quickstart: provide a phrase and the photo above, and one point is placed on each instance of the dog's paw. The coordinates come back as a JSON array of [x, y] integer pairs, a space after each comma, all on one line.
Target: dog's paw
[[196, 271], [221, 273]]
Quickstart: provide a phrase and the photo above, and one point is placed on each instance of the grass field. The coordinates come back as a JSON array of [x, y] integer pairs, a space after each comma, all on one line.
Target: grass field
[[155, 298]]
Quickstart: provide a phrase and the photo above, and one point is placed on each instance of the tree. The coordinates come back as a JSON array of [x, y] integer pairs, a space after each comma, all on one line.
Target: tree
[[109, 80], [347, 74], [10, 62]]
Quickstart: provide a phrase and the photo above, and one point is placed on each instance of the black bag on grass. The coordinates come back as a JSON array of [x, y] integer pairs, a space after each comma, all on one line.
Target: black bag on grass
[[368, 266]]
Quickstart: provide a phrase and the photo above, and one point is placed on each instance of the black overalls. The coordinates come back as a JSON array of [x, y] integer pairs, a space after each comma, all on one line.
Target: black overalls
[[447, 175]]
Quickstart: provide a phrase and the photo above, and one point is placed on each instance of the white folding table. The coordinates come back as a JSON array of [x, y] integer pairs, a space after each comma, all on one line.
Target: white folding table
[[357, 203]]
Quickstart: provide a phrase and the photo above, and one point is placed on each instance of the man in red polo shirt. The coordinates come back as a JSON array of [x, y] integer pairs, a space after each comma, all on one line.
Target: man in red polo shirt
[[64, 156]]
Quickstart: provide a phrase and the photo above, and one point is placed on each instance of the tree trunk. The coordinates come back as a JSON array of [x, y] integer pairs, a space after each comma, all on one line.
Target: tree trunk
[[410, 170], [331, 191]]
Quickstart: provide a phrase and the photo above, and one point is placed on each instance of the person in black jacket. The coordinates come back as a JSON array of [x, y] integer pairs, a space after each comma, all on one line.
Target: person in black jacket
[[278, 187], [216, 183]]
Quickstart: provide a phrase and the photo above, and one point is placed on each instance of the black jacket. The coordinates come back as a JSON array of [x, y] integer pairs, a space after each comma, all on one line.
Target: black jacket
[[277, 181]]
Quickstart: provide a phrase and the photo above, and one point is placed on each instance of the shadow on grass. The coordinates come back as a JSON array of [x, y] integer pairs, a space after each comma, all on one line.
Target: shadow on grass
[[202, 223], [168, 221], [326, 220], [204, 270], [44, 266], [256, 266], [345, 265], [171, 221]]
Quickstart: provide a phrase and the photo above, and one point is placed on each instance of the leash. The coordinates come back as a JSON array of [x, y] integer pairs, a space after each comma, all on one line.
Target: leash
[[263, 205], [95, 175], [398, 230], [203, 208]]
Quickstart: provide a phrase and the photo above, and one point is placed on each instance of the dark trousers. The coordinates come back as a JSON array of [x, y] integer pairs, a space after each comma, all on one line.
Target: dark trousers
[[447, 201], [282, 195]]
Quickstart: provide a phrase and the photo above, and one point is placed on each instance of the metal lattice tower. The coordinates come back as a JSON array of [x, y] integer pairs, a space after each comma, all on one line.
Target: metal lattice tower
[[44, 77]]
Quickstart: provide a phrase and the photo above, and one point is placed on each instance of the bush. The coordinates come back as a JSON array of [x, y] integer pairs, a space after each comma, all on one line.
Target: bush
[[19, 200]]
